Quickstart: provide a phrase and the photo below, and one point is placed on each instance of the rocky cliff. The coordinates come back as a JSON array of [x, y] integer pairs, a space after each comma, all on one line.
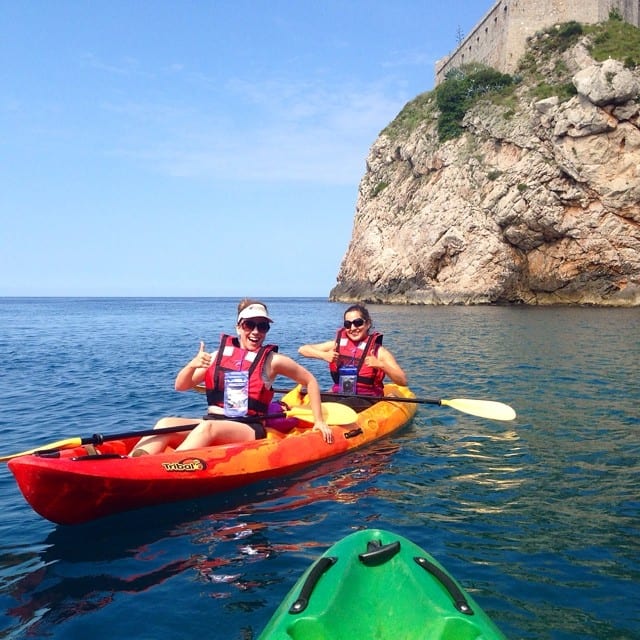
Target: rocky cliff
[[537, 202]]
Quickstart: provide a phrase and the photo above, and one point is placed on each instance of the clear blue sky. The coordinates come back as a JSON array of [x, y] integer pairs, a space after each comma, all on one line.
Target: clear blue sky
[[205, 148]]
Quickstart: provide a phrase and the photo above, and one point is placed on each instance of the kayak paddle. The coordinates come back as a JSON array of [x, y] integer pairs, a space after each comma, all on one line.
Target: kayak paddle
[[333, 413], [482, 408], [97, 438]]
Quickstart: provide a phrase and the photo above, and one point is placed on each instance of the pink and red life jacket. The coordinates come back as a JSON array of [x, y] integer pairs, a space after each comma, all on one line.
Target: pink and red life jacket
[[370, 379], [231, 357]]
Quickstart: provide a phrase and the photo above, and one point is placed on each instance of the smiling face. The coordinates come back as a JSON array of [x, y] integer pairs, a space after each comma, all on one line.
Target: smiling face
[[351, 321], [252, 332]]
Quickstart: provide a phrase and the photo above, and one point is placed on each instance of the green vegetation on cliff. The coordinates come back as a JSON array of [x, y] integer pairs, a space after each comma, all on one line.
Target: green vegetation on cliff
[[546, 74], [615, 39], [450, 101], [541, 72], [460, 91], [416, 111]]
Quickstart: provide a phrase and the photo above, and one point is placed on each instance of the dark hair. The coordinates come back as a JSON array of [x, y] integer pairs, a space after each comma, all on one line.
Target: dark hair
[[245, 302], [361, 309]]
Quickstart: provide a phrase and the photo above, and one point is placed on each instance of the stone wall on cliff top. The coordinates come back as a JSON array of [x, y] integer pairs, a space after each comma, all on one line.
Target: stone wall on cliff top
[[539, 208]]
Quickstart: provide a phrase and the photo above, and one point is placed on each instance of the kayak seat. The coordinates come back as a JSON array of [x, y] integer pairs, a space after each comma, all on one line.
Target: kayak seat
[[357, 403], [106, 451], [110, 448], [114, 446]]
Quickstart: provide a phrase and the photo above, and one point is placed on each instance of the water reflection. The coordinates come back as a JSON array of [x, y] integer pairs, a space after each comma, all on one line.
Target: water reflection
[[79, 570]]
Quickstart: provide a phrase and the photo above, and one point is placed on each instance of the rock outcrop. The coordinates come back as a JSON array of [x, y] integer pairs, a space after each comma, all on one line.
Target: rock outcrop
[[538, 205]]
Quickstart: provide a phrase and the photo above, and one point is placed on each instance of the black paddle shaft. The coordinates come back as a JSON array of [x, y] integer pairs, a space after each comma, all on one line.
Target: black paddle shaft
[[99, 438]]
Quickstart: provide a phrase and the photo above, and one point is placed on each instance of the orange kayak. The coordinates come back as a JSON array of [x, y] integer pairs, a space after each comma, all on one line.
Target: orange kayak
[[76, 485]]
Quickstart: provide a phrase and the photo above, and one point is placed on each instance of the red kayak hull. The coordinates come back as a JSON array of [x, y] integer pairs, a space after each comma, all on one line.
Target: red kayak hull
[[75, 486]]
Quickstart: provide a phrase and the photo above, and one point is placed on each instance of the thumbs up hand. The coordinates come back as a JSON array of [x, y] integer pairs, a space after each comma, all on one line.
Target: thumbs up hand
[[202, 359]]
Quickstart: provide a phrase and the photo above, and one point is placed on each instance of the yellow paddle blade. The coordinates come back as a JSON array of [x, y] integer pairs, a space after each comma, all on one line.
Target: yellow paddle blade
[[69, 443], [483, 408], [332, 412]]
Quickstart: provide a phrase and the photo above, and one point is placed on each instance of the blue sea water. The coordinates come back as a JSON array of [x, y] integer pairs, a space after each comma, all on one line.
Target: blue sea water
[[538, 518]]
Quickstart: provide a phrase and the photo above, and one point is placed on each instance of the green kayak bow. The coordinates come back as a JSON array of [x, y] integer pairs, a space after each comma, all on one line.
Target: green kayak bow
[[377, 585]]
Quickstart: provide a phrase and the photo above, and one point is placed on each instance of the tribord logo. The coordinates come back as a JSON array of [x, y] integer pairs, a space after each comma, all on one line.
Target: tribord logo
[[189, 464]]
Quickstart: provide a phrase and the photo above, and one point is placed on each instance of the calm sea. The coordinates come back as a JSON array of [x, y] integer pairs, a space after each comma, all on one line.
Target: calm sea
[[537, 518]]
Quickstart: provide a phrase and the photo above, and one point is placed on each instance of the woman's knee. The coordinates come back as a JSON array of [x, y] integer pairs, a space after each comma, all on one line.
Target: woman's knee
[[206, 428], [163, 423]]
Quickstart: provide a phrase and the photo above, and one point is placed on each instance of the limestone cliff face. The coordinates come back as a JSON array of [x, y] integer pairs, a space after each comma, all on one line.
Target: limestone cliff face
[[539, 208]]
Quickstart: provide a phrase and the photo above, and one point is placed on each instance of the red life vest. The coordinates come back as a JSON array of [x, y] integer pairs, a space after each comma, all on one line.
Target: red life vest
[[231, 357], [370, 379]]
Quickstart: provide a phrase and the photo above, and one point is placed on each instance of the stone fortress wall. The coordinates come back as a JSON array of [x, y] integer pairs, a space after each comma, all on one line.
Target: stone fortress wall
[[499, 39]]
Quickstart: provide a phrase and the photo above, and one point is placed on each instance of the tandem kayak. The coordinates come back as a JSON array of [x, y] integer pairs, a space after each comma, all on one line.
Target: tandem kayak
[[80, 484], [378, 585]]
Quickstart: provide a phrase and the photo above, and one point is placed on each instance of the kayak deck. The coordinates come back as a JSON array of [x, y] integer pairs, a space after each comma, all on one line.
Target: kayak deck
[[377, 585]]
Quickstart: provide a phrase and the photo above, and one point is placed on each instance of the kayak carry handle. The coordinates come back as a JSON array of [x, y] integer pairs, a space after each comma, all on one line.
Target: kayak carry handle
[[377, 553], [459, 600], [319, 568]]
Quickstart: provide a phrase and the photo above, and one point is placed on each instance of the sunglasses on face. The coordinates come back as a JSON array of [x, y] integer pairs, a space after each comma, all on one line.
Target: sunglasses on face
[[250, 325], [357, 323]]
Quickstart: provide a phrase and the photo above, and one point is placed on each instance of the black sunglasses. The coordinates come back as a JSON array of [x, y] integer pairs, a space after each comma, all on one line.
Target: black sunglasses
[[357, 323], [250, 325]]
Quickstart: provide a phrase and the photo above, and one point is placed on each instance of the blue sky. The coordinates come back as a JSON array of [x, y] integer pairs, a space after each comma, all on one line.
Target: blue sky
[[212, 148]]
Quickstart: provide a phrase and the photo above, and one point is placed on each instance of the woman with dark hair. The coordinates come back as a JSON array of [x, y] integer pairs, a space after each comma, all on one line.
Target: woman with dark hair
[[357, 360]]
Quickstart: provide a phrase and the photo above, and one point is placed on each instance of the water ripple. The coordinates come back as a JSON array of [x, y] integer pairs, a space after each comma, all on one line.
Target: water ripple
[[538, 518]]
